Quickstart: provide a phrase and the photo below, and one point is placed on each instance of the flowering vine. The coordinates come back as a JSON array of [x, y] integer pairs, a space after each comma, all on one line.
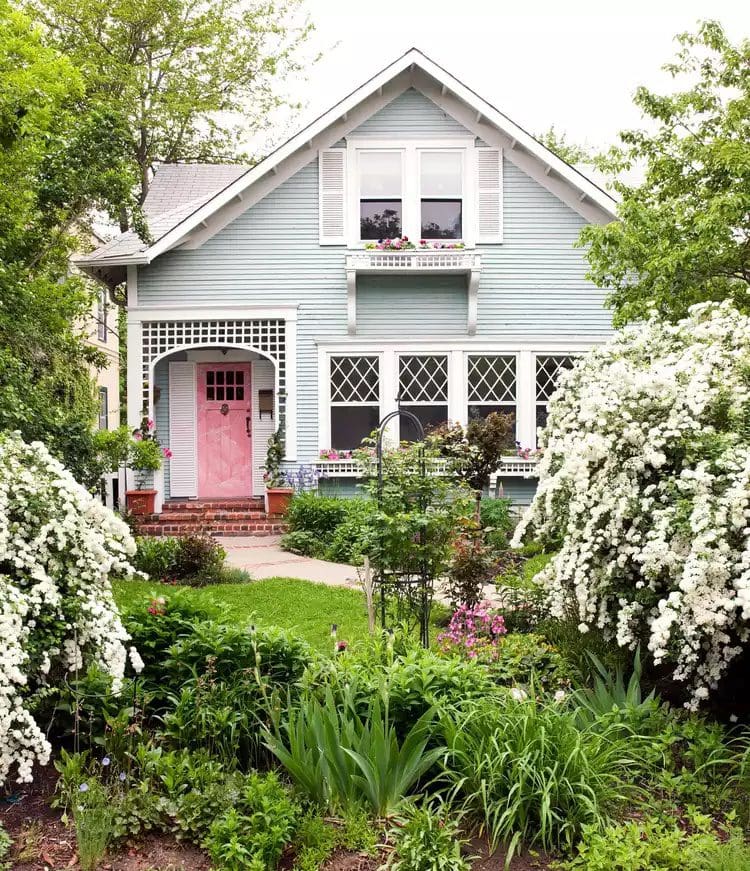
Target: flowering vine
[[644, 485], [58, 548]]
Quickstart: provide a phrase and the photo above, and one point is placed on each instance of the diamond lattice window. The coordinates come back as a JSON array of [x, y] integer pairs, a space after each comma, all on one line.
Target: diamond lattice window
[[492, 379], [355, 400], [423, 378], [423, 390], [354, 379], [491, 385], [548, 369]]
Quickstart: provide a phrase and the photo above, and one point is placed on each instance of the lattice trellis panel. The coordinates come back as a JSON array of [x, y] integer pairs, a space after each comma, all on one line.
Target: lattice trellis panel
[[492, 379], [266, 336], [355, 379], [548, 370], [423, 378]]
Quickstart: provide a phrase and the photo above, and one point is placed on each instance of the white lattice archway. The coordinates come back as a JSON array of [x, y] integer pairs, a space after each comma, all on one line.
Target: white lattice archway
[[155, 334]]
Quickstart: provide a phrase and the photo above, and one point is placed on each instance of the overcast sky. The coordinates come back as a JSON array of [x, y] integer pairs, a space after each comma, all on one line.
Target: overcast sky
[[567, 63]]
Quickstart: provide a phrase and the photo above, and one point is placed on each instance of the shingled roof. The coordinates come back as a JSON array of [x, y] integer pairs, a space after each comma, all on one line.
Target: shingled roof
[[176, 191]]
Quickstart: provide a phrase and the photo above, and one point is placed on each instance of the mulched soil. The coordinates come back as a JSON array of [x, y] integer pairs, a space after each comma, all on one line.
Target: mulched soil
[[41, 842]]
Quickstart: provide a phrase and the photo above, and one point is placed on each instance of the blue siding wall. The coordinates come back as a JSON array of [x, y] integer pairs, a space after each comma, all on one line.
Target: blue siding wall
[[532, 284], [413, 115], [406, 306]]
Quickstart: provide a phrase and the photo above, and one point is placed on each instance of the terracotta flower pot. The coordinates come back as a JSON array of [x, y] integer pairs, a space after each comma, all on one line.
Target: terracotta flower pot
[[278, 499], [141, 502]]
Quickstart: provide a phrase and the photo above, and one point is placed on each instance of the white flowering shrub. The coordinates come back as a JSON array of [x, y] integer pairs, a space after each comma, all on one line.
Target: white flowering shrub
[[645, 488], [58, 548]]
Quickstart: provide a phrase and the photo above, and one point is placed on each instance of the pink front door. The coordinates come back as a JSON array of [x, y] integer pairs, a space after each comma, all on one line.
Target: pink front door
[[224, 430]]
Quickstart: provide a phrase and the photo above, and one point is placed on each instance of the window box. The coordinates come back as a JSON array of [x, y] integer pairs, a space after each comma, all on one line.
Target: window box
[[450, 261]]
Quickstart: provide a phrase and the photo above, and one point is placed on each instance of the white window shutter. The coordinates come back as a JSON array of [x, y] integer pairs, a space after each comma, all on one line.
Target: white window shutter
[[183, 467], [489, 195], [332, 196]]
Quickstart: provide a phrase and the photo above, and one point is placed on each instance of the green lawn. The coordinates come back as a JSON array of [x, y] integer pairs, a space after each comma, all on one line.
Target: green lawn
[[304, 607]]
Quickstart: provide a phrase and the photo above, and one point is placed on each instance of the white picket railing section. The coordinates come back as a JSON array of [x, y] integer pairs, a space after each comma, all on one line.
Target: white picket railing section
[[509, 467], [414, 261]]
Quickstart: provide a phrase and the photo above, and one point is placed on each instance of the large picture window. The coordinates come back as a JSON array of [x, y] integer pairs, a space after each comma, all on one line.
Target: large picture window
[[355, 400], [423, 390], [441, 194], [380, 194], [492, 385], [548, 369]]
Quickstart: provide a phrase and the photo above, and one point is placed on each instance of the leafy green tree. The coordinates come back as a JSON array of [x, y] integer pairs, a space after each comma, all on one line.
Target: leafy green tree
[[684, 231], [559, 144], [189, 77], [59, 156]]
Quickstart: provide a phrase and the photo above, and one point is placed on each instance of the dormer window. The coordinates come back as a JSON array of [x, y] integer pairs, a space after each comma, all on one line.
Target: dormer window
[[380, 194], [441, 194]]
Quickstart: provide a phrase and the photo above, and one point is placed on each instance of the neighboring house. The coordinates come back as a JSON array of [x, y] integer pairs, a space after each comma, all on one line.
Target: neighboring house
[[102, 333], [257, 302]]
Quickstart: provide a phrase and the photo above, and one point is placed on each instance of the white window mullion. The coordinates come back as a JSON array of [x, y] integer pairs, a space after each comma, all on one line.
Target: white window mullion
[[388, 393], [526, 387], [457, 394], [411, 194]]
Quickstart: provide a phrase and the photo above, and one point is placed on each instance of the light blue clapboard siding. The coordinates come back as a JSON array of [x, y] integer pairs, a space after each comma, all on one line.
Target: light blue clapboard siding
[[408, 305], [410, 115], [532, 284]]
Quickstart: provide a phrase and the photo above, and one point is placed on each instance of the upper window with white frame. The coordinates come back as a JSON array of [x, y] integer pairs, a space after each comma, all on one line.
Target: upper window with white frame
[[380, 194], [421, 189], [441, 179]]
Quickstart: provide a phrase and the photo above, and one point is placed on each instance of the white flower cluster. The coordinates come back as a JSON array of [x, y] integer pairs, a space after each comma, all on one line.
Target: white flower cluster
[[645, 481], [58, 548]]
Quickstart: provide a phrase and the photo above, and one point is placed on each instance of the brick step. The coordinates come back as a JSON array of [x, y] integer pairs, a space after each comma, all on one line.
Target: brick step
[[215, 505], [268, 527], [208, 516]]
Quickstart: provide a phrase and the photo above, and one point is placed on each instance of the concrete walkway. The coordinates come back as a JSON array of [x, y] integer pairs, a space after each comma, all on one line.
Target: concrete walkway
[[261, 557]]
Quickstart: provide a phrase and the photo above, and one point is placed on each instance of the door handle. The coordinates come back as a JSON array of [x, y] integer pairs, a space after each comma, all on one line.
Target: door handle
[[247, 426]]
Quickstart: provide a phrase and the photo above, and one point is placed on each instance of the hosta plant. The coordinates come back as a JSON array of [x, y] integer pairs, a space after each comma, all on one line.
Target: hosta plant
[[645, 488], [58, 548]]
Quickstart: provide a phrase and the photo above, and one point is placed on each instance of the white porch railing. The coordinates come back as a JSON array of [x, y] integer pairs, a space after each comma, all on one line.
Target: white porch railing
[[515, 467]]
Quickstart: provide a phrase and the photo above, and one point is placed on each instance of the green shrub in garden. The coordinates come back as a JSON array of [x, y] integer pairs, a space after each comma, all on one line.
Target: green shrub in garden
[[416, 679], [222, 678], [254, 833], [429, 840], [529, 775], [329, 527], [156, 556], [319, 515], [93, 814], [497, 522], [352, 539], [303, 542], [194, 560], [5, 844], [660, 845]]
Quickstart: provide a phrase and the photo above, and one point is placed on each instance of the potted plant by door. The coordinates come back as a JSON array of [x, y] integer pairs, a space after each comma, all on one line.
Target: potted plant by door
[[144, 457], [278, 491]]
